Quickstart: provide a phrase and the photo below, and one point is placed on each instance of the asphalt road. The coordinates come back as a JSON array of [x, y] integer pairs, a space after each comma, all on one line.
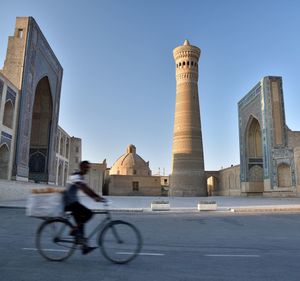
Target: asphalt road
[[181, 247]]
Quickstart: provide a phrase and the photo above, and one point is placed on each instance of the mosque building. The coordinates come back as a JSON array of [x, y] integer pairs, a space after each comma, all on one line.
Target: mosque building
[[131, 175]]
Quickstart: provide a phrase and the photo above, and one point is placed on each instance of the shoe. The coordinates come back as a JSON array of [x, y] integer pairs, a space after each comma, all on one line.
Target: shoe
[[87, 249]]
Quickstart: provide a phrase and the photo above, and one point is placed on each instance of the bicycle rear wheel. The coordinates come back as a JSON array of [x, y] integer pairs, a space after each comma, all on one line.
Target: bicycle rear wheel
[[53, 240], [120, 241]]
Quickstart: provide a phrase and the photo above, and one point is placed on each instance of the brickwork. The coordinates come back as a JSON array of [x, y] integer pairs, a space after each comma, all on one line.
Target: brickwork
[[187, 176], [135, 186]]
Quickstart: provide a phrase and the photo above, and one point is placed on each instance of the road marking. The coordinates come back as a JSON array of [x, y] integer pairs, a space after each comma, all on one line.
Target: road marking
[[239, 256], [119, 253], [141, 254], [49, 250]]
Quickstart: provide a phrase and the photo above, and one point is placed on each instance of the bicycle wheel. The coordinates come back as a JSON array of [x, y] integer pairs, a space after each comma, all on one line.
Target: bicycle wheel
[[120, 241], [53, 240]]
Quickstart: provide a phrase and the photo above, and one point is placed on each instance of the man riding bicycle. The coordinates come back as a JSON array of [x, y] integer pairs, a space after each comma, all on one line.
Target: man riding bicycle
[[81, 213]]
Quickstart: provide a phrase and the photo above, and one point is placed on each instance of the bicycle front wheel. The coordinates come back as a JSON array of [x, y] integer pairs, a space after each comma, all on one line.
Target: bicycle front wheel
[[53, 240], [120, 241]]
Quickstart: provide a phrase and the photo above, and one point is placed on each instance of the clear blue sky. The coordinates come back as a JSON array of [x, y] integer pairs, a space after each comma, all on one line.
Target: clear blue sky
[[119, 73]]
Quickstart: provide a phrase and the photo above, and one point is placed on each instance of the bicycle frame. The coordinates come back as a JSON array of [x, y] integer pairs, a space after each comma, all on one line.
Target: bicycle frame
[[101, 225], [68, 215]]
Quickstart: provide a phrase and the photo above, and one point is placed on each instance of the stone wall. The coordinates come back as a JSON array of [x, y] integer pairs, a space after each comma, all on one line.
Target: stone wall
[[293, 138], [132, 185], [229, 182]]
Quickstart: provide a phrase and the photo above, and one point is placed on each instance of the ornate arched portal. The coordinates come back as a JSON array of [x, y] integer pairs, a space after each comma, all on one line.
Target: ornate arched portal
[[40, 132], [254, 155]]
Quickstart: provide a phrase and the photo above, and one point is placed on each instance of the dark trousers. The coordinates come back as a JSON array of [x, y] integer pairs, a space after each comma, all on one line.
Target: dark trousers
[[80, 213]]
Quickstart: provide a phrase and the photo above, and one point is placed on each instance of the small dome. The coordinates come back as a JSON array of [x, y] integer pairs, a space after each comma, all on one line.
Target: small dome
[[186, 43], [130, 163]]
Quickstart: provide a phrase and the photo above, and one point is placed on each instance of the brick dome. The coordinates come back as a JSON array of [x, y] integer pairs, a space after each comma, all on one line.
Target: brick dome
[[130, 163]]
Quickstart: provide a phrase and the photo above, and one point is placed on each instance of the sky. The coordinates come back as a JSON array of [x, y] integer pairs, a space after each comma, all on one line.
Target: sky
[[119, 82]]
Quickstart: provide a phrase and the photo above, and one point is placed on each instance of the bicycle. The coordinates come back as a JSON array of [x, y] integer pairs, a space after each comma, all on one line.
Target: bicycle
[[119, 241]]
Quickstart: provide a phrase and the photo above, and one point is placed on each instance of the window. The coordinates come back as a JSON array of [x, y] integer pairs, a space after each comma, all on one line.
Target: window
[[135, 186], [20, 33], [77, 149], [8, 114], [134, 172]]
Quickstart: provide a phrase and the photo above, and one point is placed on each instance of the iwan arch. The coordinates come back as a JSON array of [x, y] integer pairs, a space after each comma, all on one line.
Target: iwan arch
[[34, 70], [33, 147], [269, 150]]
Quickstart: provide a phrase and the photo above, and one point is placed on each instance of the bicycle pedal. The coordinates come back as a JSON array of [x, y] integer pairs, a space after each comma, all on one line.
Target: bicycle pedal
[[86, 250]]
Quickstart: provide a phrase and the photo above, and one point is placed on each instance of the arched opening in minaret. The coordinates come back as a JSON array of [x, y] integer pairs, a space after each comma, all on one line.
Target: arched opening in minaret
[[40, 132], [254, 153]]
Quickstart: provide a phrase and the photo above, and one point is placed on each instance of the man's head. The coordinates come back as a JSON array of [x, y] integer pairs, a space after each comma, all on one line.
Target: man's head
[[84, 167]]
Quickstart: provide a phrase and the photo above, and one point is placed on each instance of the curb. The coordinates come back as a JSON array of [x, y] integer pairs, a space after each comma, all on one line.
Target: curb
[[265, 209]]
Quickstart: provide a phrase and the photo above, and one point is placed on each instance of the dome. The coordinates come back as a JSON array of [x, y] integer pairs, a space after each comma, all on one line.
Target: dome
[[131, 164]]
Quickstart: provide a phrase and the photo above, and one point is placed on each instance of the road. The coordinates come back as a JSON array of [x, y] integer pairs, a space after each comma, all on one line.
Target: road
[[177, 247]]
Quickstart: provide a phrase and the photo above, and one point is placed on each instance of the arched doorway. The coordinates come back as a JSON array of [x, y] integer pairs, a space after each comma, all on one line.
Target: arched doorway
[[212, 184], [254, 156], [40, 132], [4, 161], [284, 175]]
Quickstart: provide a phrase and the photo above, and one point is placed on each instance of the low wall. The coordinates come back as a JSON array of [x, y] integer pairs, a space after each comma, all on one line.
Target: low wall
[[17, 190]]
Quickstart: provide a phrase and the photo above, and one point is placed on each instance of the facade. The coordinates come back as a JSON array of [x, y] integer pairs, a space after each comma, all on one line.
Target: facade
[[187, 176], [64, 156], [267, 146], [96, 177], [75, 154], [33, 68], [9, 104], [32, 146]]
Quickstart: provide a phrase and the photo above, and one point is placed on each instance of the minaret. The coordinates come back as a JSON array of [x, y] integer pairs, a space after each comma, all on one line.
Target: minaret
[[188, 176]]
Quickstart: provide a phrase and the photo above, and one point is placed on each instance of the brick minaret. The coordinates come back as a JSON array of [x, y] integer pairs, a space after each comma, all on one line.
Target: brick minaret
[[188, 176]]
